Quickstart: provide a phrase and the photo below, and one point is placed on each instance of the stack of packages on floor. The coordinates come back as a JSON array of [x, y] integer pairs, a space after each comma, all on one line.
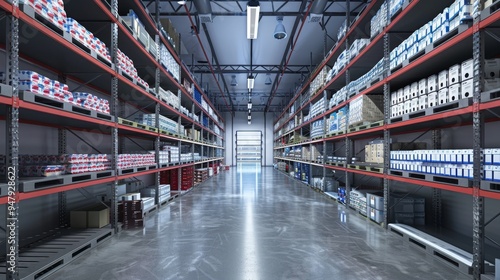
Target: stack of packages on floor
[[38, 84], [55, 165], [135, 160], [127, 65]]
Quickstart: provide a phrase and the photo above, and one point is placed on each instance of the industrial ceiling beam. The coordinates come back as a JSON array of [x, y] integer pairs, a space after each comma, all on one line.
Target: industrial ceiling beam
[[273, 14], [257, 69], [214, 57], [289, 49]]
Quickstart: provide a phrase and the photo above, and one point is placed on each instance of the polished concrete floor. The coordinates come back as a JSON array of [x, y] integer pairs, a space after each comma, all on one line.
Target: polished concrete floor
[[256, 224]]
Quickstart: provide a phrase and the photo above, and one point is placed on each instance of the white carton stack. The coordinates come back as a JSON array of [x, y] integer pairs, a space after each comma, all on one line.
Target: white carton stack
[[317, 129], [169, 97], [365, 109], [169, 63], [165, 123], [379, 21], [319, 81]]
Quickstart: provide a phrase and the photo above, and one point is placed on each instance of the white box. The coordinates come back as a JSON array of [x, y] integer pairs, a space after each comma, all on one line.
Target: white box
[[422, 87], [467, 89], [447, 155], [488, 156], [432, 99], [400, 95], [407, 107], [491, 84], [454, 76], [414, 90], [394, 98], [454, 92], [432, 83], [443, 79], [414, 104], [467, 69], [496, 156], [443, 96], [406, 93], [488, 172], [422, 102], [492, 68]]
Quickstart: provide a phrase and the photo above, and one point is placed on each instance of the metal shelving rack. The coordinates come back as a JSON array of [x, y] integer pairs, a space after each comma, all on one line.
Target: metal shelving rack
[[105, 78], [469, 40]]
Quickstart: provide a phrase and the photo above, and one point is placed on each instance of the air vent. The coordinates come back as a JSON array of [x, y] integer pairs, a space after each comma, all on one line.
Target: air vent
[[315, 17], [205, 18]]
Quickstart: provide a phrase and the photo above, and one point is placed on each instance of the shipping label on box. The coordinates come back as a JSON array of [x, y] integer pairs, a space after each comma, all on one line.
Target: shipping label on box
[[443, 96], [443, 79], [432, 83]]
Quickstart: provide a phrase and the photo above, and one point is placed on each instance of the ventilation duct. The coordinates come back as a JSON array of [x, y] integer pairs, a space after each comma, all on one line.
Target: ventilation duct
[[204, 10], [317, 9]]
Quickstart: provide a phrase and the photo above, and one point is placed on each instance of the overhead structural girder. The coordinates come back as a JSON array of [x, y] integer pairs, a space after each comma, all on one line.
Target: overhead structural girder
[[256, 69]]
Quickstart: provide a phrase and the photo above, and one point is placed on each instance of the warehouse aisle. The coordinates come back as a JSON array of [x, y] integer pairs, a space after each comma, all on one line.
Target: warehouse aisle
[[256, 224]]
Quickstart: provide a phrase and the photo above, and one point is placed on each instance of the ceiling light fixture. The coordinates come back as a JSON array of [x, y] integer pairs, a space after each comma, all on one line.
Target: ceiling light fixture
[[250, 82], [253, 11], [181, 2], [233, 81], [279, 31], [268, 80]]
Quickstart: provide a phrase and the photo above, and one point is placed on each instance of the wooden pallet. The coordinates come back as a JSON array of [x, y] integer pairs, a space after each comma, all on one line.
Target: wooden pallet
[[354, 128], [442, 179], [367, 168], [459, 104]]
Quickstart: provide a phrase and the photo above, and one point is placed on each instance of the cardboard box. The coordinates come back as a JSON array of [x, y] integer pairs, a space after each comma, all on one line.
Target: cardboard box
[[91, 217], [400, 94], [406, 93], [467, 69], [422, 102], [394, 98], [432, 99], [454, 92], [414, 90], [467, 89], [454, 76], [443, 79], [414, 104], [422, 87], [492, 68], [491, 84], [98, 216], [443, 96], [432, 83], [407, 107]]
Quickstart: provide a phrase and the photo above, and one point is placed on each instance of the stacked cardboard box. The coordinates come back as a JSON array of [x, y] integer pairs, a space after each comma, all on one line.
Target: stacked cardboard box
[[130, 214], [366, 109], [96, 216], [408, 210], [375, 206], [448, 85], [200, 175]]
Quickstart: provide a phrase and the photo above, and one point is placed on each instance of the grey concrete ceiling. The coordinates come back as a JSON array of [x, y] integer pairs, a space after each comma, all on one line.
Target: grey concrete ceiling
[[228, 50]]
